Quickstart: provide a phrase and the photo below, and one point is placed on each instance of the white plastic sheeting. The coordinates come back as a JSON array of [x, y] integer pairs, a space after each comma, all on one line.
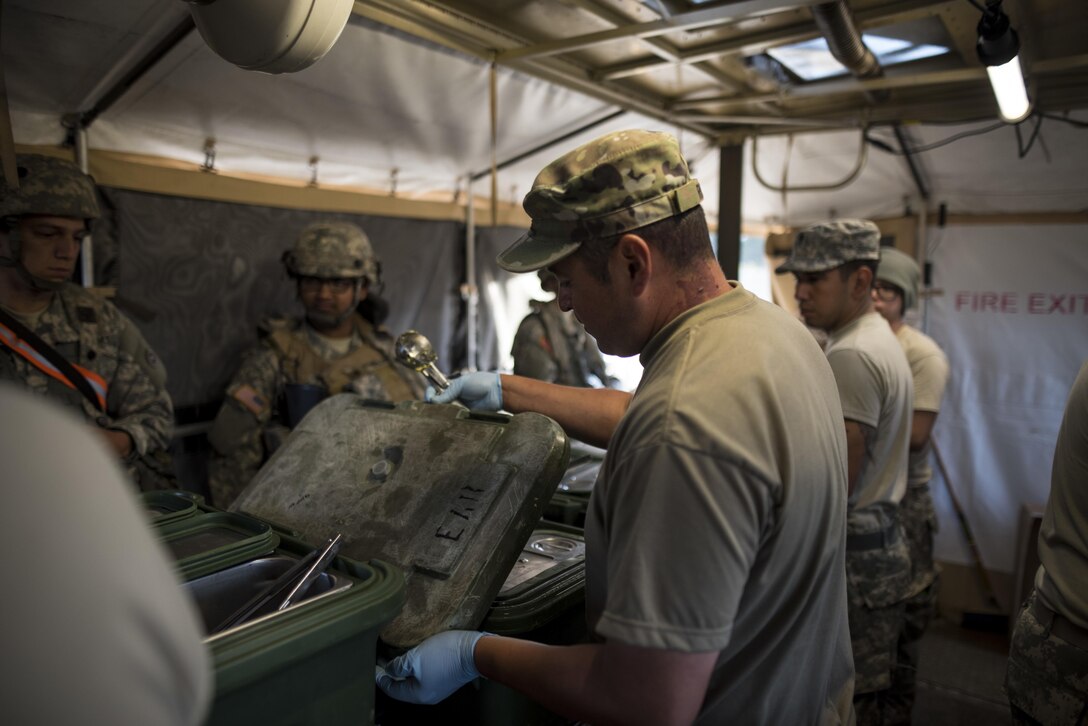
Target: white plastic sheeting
[[1012, 316], [977, 174]]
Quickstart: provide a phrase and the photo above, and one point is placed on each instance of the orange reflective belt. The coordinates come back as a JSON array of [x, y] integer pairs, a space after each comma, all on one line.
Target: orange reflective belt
[[36, 359]]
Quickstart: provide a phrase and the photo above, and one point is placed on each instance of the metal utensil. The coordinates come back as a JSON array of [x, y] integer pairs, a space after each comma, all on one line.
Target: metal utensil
[[265, 594], [315, 571], [416, 352]]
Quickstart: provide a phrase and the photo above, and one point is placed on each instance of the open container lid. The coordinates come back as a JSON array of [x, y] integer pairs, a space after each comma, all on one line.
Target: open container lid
[[448, 495]]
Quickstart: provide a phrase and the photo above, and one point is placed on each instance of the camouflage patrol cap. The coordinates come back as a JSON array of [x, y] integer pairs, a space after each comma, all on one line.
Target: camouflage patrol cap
[[900, 270], [332, 249], [50, 186], [827, 245], [615, 184]]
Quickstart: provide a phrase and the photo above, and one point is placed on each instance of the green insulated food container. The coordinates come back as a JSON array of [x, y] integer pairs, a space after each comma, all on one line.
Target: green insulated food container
[[311, 663], [167, 506], [211, 541], [447, 495]]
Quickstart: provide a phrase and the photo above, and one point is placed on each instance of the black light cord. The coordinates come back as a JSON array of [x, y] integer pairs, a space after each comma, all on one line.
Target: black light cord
[[884, 146], [1065, 119]]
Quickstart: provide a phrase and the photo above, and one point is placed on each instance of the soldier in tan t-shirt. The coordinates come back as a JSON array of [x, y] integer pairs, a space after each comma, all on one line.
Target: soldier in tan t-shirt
[[894, 292], [716, 530], [835, 264]]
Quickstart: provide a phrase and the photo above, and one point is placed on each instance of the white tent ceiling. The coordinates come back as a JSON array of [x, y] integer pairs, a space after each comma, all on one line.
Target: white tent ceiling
[[385, 110]]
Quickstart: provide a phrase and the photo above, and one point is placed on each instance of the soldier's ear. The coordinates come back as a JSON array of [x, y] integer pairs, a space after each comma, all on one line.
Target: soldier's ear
[[633, 259], [862, 282]]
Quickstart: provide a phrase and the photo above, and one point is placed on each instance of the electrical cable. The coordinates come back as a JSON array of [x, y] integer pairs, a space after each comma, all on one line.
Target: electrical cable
[[1065, 119], [884, 146], [1021, 149]]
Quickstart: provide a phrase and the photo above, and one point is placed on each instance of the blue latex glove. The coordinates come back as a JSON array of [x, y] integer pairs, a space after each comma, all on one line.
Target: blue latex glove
[[432, 670], [479, 391]]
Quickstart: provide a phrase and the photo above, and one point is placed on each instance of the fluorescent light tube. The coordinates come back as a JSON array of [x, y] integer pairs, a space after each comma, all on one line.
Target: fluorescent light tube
[[1007, 81]]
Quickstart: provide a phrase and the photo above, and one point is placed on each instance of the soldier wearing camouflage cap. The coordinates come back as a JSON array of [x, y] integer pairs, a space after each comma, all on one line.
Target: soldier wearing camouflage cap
[[119, 383], [894, 292], [834, 264], [340, 345], [715, 532]]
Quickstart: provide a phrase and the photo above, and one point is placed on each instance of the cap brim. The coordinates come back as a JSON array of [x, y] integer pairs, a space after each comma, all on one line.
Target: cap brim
[[803, 266], [529, 253]]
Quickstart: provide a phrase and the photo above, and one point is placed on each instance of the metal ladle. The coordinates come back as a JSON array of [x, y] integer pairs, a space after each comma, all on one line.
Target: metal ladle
[[416, 352]]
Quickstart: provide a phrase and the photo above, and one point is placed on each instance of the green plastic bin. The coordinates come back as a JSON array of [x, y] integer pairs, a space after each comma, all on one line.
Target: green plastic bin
[[311, 663], [168, 506], [212, 541], [546, 587]]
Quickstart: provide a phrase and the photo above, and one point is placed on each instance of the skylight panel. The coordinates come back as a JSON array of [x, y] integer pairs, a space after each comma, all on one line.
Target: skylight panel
[[812, 61]]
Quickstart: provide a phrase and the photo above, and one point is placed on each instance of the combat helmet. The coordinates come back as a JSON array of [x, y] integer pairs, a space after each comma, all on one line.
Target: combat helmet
[[48, 186], [333, 249]]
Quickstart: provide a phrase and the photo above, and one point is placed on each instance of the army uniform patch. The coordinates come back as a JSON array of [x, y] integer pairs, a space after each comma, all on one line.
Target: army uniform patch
[[247, 395]]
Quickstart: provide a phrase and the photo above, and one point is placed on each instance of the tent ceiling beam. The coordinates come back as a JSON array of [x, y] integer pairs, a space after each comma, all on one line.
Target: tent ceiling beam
[[900, 12], [742, 119], [694, 20], [668, 53], [725, 104], [138, 69], [421, 28]]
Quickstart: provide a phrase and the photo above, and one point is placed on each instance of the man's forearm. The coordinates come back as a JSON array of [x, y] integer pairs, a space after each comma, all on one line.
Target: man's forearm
[[587, 414], [598, 683]]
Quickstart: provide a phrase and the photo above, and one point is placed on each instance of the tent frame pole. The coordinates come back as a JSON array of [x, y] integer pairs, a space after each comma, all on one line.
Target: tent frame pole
[[469, 293]]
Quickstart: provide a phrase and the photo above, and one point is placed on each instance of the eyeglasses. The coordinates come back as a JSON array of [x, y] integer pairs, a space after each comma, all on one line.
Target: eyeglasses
[[886, 292], [337, 285]]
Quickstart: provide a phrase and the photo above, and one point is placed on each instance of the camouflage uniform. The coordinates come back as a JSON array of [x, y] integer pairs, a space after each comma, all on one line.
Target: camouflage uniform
[[252, 421], [877, 559], [1047, 677], [552, 346], [90, 332], [929, 368]]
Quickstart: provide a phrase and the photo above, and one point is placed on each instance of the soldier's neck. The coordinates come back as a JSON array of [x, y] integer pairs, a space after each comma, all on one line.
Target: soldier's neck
[[19, 297], [862, 307], [336, 332]]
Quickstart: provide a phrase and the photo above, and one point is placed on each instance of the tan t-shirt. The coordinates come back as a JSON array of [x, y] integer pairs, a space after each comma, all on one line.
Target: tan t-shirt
[[718, 519], [929, 370], [1063, 536], [875, 388]]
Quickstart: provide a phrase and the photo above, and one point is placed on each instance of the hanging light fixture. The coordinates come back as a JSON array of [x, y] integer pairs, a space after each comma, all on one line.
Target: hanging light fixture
[[999, 50]]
